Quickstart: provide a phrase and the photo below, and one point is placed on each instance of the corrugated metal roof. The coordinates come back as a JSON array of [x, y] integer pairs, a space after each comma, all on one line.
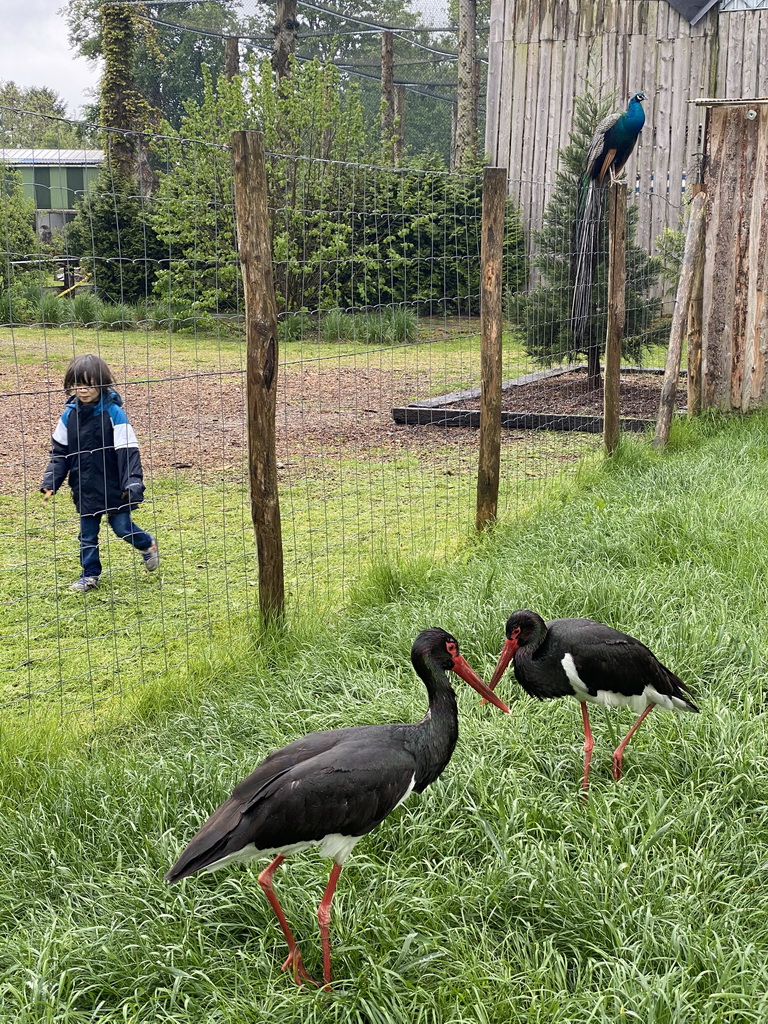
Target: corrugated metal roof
[[57, 157]]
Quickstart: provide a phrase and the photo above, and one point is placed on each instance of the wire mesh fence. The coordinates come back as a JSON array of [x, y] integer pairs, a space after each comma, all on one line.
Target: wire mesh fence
[[377, 274]]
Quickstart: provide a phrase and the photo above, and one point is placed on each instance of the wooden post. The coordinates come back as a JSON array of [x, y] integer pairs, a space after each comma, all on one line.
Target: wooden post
[[491, 282], [255, 249], [692, 258], [617, 281], [694, 330], [388, 95]]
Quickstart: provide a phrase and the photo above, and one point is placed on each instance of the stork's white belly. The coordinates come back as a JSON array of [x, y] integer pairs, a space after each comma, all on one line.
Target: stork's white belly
[[334, 846], [637, 701]]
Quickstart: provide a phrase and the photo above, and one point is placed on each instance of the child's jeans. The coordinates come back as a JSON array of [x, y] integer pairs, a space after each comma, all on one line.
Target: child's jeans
[[89, 538]]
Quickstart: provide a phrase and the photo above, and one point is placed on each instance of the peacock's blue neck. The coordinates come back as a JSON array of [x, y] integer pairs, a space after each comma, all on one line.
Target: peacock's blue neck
[[635, 114]]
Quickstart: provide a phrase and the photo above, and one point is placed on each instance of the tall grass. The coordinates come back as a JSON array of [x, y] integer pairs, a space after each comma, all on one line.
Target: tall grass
[[497, 895], [392, 326]]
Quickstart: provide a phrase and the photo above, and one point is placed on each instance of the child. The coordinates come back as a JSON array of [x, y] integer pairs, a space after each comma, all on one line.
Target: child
[[95, 445]]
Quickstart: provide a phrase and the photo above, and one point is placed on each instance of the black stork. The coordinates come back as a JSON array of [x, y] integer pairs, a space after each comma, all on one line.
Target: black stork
[[330, 788], [595, 664]]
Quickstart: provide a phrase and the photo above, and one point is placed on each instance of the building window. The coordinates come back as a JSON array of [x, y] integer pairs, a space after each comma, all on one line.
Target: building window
[[43, 188]]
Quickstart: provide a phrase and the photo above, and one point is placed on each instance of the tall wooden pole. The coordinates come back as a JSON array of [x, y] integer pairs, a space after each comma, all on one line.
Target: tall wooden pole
[[692, 262], [491, 281], [388, 95], [255, 249], [617, 281]]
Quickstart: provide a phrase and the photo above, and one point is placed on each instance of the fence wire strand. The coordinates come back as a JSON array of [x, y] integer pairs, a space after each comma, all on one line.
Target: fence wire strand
[[377, 274]]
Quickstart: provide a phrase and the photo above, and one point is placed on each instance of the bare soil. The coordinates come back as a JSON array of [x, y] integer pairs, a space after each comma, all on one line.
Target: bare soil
[[570, 394], [195, 424]]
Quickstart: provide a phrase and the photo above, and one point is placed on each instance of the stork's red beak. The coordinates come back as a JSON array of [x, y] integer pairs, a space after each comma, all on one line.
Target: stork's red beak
[[464, 669], [506, 655]]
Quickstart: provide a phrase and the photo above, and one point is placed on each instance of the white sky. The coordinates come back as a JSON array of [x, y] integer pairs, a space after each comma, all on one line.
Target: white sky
[[34, 51]]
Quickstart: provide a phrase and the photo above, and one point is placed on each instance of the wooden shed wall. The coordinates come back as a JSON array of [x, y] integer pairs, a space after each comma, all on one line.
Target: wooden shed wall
[[541, 52]]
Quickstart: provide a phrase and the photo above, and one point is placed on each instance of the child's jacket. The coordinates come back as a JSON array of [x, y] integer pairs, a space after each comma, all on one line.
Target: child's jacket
[[96, 446]]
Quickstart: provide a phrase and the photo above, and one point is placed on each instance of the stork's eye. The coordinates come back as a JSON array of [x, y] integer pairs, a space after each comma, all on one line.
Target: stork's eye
[[515, 633], [452, 647]]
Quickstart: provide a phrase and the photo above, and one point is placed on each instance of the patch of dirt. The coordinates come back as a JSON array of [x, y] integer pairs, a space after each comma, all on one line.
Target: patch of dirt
[[570, 394], [196, 424]]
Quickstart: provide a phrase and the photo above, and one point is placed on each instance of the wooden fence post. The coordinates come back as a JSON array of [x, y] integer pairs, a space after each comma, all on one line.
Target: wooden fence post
[[491, 255], [617, 280], [692, 259], [694, 330], [255, 248]]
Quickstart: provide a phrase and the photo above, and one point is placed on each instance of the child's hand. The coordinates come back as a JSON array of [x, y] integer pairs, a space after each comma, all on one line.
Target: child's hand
[[47, 495]]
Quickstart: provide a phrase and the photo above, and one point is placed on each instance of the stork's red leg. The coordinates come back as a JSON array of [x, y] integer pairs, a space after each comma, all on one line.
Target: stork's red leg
[[294, 956], [588, 746], [324, 920], [618, 753]]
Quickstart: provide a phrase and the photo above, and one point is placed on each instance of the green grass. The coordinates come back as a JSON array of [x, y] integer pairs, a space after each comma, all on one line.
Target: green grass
[[66, 652], [450, 353], [496, 896]]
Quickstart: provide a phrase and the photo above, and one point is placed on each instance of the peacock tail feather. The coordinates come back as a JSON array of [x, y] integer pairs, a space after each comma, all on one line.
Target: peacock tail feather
[[610, 148]]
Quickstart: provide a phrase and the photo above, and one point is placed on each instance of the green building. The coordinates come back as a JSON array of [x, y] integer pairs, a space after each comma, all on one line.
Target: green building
[[54, 179]]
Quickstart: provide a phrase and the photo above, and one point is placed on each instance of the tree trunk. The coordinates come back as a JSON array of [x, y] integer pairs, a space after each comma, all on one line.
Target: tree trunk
[[594, 377], [120, 103], [398, 138], [388, 96], [232, 57], [466, 96], [285, 38]]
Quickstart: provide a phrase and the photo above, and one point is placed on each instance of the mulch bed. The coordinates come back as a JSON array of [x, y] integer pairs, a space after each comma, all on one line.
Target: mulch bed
[[570, 394]]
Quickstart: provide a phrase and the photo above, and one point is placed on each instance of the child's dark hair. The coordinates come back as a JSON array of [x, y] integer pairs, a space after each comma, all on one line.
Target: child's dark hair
[[89, 370]]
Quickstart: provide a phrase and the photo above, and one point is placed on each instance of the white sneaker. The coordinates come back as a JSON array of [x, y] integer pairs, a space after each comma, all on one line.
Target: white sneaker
[[84, 584], [151, 556]]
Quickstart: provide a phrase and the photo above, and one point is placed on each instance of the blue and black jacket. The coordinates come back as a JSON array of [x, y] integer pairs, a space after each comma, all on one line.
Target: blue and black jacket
[[96, 447]]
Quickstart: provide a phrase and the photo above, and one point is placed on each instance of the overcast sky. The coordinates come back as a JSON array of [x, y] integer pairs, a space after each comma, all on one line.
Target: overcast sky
[[34, 51]]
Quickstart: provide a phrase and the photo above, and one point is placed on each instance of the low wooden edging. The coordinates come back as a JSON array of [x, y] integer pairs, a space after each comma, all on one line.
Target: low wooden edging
[[433, 410], [419, 415]]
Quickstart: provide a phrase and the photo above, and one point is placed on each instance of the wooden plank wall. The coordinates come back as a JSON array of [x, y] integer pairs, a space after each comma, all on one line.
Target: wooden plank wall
[[735, 305], [541, 52]]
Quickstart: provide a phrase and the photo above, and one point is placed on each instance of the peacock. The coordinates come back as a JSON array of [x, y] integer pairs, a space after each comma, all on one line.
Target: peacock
[[610, 148]]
